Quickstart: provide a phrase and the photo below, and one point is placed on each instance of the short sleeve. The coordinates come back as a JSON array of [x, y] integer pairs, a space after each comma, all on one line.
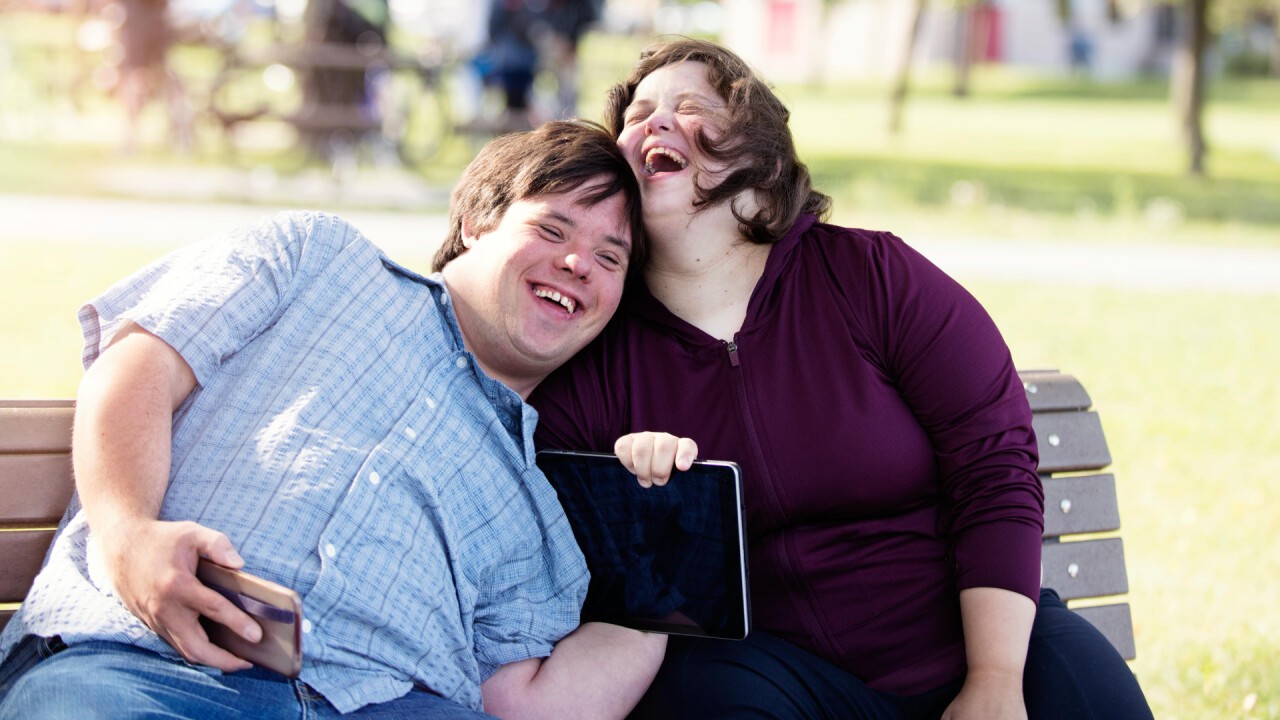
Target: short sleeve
[[207, 300], [534, 597]]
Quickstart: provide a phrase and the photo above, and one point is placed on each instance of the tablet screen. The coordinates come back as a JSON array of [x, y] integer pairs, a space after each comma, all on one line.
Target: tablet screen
[[665, 559]]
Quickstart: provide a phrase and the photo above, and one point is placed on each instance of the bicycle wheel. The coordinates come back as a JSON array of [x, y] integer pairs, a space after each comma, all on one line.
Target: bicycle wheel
[[418, 119]]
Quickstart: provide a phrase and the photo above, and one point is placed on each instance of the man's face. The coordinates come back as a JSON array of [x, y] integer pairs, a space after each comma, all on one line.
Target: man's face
[[542, 284]]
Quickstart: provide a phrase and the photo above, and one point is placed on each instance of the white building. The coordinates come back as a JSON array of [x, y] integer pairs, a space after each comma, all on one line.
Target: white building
[[794, 40]]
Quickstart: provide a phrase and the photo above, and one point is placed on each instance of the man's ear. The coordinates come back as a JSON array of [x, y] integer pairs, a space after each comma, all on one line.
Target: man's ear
[[468, 238]]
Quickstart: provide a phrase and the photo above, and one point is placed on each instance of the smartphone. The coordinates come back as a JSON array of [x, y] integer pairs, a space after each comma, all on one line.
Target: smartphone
[[276, 608]]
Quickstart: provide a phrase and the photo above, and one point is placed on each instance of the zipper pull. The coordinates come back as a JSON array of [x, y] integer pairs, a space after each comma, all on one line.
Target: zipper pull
[[732, 347]]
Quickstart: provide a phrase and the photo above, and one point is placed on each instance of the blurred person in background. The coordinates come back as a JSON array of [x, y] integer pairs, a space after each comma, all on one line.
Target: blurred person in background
[[525, 37]]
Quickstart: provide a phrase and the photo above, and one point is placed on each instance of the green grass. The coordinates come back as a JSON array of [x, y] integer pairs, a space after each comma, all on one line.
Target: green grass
[[1099, 152]]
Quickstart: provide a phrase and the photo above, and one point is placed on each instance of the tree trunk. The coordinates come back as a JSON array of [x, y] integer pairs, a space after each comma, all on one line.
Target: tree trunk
[[902, 73], [1275, 43], [963, 56], [1188, 90]]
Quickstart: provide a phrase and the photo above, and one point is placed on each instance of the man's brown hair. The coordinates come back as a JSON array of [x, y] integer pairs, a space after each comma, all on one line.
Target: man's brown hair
[[555, 158], [755, 141]]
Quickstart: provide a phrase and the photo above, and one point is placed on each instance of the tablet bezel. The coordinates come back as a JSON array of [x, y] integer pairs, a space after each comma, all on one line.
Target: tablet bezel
[[737, 605]]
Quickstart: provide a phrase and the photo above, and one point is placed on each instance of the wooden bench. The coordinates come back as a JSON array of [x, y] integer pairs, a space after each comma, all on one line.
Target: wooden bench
[[36, 486], [1089, 571]]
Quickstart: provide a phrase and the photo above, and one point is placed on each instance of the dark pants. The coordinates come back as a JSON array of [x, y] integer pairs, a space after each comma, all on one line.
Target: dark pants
[[1072, 673]]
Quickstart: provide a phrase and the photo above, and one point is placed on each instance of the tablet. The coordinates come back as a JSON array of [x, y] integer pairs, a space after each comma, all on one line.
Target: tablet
[[668, 559]]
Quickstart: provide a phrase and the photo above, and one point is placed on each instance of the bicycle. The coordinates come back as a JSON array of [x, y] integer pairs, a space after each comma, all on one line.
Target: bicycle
[[399, 105]]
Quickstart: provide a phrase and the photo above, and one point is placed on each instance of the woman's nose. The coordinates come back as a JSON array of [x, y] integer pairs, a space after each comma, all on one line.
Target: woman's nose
[[659, 120]]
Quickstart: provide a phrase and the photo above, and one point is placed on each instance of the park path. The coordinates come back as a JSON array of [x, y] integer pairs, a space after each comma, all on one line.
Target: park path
[[1251, 271]]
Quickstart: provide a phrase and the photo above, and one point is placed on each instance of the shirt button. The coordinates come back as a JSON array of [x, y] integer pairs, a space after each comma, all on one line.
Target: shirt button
[[330, 550], [306, 626], [410, 433], [375, 478], [431, 404], [460, 362], [444, 299]]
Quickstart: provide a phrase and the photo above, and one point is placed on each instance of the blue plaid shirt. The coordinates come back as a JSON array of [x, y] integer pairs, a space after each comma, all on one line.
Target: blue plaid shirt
[[351, 449]]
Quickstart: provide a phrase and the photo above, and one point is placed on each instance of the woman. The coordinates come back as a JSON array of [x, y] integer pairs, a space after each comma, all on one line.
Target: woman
[[892, 501]]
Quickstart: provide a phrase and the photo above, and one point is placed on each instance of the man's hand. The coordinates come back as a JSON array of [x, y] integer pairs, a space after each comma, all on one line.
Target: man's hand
[[651, 456], [152, 566], [988, 697]]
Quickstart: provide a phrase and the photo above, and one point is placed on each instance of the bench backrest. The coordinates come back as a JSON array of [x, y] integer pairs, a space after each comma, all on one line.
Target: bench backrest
[[1078, 500], [36, 486]]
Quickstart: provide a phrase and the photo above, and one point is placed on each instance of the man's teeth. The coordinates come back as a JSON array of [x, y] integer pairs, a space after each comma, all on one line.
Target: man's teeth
[[674, 156], [555, 297]]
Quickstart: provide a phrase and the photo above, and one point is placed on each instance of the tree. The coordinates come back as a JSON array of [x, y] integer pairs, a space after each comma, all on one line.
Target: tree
[[901, 82], [1188, 84], [902, 72]]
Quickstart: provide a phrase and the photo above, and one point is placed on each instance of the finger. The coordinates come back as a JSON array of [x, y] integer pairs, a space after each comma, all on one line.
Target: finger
[[213, 605], [642, 459], [622, 448], [664, 455], [217, 547], [686, 453], [191, 641]]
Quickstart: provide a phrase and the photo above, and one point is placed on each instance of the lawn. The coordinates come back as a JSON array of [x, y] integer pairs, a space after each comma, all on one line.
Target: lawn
[[1184, 380]]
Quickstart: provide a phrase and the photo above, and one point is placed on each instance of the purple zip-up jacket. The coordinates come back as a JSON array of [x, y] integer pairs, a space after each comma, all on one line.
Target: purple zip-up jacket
[[883, 433]]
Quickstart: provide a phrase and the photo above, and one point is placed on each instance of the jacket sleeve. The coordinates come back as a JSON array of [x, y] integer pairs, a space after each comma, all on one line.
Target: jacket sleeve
[[953, 368]]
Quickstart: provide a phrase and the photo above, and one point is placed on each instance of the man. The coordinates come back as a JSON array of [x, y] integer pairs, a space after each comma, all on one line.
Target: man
[[290, 401]]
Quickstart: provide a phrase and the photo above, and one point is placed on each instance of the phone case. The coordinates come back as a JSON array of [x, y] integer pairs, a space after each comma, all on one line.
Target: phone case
[[276, 608]]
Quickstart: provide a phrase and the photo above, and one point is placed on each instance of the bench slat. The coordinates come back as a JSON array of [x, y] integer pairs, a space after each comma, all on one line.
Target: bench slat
[[35, 426], [1049, 390], [1080, 504], [23, 552], [1116, 622], [1086, 569], [34, 489], [1070, 441]]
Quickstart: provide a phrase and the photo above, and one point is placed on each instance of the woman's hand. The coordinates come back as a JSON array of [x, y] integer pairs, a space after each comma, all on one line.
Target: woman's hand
[[652, 456], [989, 697]]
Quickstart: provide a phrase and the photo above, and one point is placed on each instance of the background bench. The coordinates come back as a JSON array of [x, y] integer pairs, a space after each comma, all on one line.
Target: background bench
[[1083, 555]]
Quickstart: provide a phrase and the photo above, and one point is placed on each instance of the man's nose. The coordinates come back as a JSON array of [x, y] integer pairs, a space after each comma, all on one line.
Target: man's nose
[[577, 265]]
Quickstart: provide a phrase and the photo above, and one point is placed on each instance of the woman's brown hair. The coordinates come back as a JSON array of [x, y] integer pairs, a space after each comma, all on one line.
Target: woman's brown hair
[[755, 140]]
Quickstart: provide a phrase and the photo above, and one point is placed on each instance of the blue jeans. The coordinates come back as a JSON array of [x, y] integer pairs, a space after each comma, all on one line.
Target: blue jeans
[[1072, 673], [44, 680]]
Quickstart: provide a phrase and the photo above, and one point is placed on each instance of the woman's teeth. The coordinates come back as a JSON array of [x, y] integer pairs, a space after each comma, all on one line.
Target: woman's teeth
[[661, 159]]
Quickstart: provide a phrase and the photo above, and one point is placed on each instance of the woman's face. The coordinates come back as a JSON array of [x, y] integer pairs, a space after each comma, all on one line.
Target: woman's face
[[670, 106]]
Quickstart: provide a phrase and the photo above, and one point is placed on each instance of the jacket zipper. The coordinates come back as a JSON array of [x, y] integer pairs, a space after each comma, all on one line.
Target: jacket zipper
[[788, 562]]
